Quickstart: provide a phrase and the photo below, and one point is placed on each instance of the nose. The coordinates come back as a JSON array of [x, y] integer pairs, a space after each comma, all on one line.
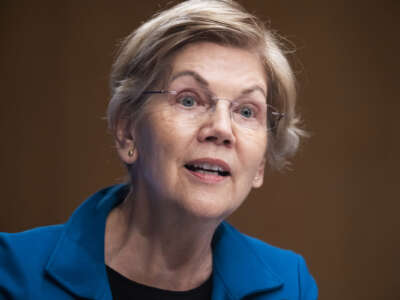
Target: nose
[[217, 128]]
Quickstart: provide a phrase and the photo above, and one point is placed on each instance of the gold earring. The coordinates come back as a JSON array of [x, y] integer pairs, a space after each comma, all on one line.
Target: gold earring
[[130, 152]]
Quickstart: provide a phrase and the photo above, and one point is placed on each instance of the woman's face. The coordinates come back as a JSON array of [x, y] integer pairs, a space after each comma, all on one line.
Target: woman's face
[[195, 152]]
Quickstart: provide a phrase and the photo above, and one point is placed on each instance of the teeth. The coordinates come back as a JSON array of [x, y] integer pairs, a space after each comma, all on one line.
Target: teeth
[[204, 171], [209, 167]]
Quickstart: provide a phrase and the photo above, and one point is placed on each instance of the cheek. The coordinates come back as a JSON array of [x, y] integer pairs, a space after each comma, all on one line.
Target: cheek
[[162, 139], [252, 149], [154, 163]]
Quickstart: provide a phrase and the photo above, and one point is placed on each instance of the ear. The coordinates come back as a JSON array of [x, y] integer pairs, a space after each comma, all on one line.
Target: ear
[[125, 143], [258, 180]]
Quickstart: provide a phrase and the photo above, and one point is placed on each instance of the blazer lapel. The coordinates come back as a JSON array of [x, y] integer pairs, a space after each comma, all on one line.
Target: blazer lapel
[[238, 270], [77, 262]]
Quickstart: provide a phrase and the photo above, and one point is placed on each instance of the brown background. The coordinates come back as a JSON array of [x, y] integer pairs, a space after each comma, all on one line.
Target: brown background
[[338, 207]]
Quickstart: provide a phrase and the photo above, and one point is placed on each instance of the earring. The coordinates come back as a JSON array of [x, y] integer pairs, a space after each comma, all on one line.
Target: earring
[[130, 152]]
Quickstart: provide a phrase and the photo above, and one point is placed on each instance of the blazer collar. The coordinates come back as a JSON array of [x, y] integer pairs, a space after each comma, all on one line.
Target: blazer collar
[[238, 268], [77, 262]]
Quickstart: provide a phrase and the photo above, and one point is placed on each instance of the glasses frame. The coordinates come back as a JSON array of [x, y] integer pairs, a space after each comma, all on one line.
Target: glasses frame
[[275, 113]]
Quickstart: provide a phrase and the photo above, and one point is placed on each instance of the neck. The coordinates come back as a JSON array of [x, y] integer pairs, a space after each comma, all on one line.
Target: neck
[[159, 245]]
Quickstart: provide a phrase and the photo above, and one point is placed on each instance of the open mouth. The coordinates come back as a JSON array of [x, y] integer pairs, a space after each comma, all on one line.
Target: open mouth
[[207, 168]]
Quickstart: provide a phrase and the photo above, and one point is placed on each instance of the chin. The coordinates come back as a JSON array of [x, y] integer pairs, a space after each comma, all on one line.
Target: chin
[[209, 208]]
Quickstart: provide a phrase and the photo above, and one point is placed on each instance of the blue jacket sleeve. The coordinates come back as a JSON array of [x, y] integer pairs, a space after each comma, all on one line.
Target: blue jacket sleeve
[[11, 275], [308, 287]]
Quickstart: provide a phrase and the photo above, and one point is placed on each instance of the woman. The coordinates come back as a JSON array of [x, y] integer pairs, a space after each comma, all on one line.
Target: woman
[[202, 98]]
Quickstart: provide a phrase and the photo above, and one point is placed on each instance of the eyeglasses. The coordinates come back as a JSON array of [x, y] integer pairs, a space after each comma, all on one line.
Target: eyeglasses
[[246, 112]]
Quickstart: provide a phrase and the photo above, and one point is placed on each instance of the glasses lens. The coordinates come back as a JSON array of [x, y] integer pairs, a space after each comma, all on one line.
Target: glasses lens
[[246, 113]]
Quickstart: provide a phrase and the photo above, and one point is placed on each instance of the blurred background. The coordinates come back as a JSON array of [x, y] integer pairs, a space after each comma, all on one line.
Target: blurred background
[[339, 204]]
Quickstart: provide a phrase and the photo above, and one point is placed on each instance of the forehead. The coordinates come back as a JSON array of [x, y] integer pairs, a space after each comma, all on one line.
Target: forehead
[[221, 66]]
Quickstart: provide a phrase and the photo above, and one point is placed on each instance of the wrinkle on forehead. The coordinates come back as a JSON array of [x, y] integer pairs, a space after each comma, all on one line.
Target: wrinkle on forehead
[[208, 59]]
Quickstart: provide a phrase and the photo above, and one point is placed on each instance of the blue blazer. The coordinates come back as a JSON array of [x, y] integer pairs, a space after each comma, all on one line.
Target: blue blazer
[[67, 261]]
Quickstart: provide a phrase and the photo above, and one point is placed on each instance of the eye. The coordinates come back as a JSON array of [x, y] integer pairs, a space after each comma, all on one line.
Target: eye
[[246, 112], [187, 101]]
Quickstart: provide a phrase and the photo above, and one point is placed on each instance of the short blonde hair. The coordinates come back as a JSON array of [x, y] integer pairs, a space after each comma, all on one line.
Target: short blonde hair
[[143, 58]]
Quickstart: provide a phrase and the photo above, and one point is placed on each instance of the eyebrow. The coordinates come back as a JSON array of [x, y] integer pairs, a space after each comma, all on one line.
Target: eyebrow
[[204, 82], [193, 74], [254, 88]]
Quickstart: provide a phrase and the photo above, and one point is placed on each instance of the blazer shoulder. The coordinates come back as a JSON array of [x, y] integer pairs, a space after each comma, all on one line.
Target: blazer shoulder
[[34, 240], [287, 264], [23, 256], [273, 254]]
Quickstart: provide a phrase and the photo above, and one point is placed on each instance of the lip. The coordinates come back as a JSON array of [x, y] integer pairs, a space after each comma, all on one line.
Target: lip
[[208, 177], [212, 161]]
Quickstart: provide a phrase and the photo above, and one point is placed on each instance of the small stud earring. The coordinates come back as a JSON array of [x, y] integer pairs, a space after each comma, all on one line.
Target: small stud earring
[[130, 152]]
